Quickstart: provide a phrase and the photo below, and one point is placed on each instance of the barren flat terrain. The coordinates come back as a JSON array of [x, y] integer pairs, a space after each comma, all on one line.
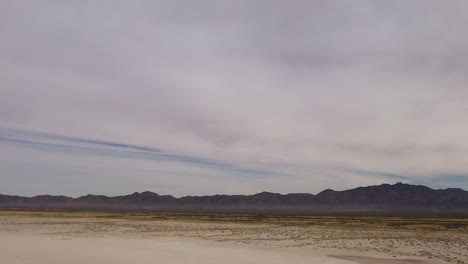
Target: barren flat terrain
[[94, 237]]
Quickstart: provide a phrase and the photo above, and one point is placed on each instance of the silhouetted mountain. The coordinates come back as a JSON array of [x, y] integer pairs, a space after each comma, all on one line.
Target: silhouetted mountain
[[381, 199], [396, 195]]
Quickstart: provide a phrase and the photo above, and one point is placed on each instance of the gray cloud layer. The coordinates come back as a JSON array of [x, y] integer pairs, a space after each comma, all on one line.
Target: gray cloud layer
[[320, 94]]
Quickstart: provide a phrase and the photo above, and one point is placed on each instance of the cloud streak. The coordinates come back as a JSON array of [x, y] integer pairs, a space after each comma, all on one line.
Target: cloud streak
[[77, 146]]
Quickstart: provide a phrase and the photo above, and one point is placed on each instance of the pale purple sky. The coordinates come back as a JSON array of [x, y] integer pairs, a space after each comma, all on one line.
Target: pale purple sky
[[205, 97]]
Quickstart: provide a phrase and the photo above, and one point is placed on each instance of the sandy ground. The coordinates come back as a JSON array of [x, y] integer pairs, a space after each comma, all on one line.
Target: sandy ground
[[54, 238]]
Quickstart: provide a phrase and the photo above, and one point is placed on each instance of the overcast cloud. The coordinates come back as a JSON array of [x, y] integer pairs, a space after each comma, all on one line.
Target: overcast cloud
[[204, 97]]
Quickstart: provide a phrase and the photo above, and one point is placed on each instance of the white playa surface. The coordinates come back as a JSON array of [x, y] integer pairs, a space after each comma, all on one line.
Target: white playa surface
[[23, 249]]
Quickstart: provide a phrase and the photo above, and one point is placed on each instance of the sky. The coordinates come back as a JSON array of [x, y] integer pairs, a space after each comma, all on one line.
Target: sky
[[233, 97]]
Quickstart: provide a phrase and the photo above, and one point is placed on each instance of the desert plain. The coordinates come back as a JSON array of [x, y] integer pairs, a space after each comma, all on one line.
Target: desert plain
[[53, 237]]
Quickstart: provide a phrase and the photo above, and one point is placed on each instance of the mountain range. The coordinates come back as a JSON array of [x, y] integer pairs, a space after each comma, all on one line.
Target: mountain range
[[385, 199]]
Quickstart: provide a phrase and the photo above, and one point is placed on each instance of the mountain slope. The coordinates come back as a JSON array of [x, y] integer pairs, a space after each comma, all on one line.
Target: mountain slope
[[383, 198]]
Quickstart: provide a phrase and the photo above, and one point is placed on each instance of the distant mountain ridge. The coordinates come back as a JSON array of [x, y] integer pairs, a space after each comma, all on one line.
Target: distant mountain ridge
[[379, 199]]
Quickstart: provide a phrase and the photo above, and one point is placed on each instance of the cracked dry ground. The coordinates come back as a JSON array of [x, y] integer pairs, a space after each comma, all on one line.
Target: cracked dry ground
[[433, 238]]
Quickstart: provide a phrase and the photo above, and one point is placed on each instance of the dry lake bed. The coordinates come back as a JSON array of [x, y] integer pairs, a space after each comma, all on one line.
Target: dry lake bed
[[95, 237]]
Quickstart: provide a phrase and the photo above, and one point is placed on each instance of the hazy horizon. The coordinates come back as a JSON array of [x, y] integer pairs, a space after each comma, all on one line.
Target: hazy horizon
[[231, 97], [213, 194]]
